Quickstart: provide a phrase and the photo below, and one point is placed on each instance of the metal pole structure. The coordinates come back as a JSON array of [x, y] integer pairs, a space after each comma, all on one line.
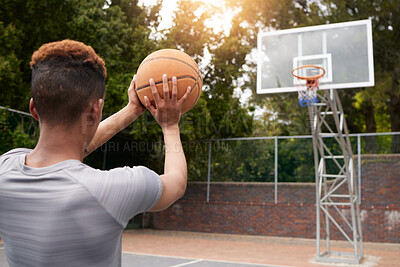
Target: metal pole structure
[[314, 123], [359, 167], [337, 194], [276, 171], [209, 171]]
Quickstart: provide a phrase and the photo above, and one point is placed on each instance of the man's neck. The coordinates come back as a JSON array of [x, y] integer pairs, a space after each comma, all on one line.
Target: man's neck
[[57, 144]]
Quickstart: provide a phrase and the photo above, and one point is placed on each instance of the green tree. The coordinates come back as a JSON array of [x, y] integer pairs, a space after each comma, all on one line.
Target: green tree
[[11, 83], [218, 113], [17, 130], [122, 41], [281, 115]]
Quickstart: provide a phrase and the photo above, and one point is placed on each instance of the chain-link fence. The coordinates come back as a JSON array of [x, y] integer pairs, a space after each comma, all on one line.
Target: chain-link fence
[[251, 159], [287, 158]]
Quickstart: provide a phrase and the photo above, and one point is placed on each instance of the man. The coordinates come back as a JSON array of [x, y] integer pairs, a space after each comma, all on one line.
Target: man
[[57, 211]]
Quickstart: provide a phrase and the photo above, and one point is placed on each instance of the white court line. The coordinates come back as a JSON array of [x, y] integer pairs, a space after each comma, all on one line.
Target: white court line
[[199, 260], [187, 258], [187, 263]]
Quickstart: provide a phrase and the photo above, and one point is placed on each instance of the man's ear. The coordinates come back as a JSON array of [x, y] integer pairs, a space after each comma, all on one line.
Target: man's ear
[[97, 109], [33, 110]]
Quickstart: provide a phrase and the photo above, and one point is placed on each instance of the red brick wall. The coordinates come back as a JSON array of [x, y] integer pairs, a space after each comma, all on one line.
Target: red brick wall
[[248, 208]]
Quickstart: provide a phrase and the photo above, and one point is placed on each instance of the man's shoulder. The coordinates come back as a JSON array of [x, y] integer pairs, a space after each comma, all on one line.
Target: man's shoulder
[[113, 181], [15, 152], [85, 172], [7, 159]]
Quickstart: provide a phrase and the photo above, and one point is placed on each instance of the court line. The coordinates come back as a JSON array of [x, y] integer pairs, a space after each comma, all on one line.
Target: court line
[[187, 263], [194, 260], [223, 261]]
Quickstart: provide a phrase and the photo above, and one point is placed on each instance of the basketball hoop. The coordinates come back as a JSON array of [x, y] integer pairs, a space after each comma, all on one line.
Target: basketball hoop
[[308, 90]]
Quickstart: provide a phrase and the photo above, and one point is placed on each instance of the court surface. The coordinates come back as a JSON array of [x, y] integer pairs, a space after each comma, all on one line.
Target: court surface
[[143, 247], [142, 260]]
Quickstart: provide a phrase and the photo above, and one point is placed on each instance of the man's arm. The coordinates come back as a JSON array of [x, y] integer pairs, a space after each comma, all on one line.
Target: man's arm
[[167, 113], [118, 121], [174, 178]]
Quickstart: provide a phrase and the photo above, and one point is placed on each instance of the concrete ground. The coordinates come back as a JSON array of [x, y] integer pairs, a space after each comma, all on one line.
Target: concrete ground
[[271, 251], [148, 248]]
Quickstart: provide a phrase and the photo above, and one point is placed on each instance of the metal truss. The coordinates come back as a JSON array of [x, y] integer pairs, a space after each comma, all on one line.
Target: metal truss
[[337, 203]]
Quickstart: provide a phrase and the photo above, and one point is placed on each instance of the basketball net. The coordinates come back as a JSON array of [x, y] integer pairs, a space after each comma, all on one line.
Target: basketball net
[[307, 85], [308, 92]]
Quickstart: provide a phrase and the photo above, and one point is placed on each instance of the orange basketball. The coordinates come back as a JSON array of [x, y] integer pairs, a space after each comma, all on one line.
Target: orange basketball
[[173, 63]]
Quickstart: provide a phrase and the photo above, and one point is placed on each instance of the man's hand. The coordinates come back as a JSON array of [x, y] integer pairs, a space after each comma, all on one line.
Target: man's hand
[[134, 104], [167, 111]]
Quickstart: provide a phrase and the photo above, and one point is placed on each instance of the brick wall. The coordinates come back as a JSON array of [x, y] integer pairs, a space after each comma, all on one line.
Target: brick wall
[[248, 208]]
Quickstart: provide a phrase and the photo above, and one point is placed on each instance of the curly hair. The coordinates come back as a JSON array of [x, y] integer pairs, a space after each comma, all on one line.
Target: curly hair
[[66, 75]]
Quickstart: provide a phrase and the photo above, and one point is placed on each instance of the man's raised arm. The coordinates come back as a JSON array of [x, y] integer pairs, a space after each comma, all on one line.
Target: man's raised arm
[[167, 113], [118, 121]]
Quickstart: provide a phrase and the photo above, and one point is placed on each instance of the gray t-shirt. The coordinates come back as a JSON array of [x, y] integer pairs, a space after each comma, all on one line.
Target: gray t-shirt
[[69, 214]]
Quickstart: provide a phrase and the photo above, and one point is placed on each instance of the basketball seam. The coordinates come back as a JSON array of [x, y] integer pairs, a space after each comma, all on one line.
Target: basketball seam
[[178, 78], [182, 77], [151, 59], [198, 95]]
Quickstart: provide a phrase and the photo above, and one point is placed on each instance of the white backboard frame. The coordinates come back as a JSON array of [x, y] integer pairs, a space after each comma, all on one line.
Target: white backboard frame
[[328, 76]]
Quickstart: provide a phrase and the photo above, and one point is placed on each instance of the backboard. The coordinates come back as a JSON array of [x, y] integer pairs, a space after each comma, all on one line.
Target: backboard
[[344, 50]]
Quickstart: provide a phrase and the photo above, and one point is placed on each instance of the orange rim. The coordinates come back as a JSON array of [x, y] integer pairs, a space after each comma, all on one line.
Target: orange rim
[[315, 77]]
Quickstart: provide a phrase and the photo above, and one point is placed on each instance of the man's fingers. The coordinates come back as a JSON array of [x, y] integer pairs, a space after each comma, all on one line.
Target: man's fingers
[[132, 84], [174, 90], [154, 91], [165, 86], [148, 105], [133, 81], [132, 87], [185, 96]]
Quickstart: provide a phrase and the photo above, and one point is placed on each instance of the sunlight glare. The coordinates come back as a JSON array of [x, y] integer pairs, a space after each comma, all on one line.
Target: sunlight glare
[[220, 22]]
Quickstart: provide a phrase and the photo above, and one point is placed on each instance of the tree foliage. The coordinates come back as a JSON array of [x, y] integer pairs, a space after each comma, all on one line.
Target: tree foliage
[[124, 33]]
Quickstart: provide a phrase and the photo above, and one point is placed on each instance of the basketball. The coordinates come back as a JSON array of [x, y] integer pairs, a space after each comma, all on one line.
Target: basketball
[[173, 63]]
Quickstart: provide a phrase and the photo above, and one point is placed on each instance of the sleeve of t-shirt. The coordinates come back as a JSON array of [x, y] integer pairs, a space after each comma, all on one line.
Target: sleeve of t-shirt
[[7, 160], [124, 192]]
